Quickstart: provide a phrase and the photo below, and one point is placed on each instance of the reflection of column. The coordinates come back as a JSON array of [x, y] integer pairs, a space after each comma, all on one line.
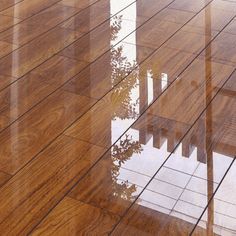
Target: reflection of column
[[14, 94], [208, 129]]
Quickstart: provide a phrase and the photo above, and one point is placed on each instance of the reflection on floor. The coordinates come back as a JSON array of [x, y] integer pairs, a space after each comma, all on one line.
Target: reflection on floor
[[117, 117]]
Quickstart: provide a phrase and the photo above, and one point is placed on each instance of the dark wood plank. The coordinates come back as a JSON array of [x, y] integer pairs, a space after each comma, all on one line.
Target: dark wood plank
[[25, 9], [36, 52], [31, 193], [7, 21], [76, 218], [33, 27], [33, 132], [212, 135], [4, 177], [6, 48], [184, 104], [4, 4]]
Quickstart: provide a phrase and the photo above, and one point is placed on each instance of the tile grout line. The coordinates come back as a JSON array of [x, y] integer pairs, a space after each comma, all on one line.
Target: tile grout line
[[171, 152], [128, 128], [211, 198], [85, 111], [105, 93], [186, 23]]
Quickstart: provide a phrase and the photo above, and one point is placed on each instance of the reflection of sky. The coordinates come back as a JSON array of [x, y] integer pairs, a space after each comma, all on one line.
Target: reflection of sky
[[129, 51], [181, 186], [128, 13]]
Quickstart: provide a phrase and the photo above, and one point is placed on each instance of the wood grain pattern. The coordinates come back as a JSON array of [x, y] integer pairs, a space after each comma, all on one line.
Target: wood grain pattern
[[196, 80], [6, 48], [33, 192], [76, 218], [103, 134], [7, 21], [29, 29], [192, 6], [34, 132], [20, 97], [77, 3], [8, 3], [83, 22], [164, 221], [57, 70], [29, 56], [25, 9], [4, 177], [96, 85]]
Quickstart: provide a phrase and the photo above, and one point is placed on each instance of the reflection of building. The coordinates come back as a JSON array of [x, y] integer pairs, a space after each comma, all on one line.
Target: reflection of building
[[196, 160], [206, 142]]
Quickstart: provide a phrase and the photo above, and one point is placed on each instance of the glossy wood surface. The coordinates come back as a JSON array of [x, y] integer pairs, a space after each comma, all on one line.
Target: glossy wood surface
[[117, 117]]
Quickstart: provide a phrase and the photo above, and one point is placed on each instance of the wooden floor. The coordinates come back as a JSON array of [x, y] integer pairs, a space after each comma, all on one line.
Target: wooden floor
[[117, 117]]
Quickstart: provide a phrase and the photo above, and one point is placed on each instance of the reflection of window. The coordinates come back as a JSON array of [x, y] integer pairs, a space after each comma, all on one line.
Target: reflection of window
[[123, 60], [164, 81], [150, 87]]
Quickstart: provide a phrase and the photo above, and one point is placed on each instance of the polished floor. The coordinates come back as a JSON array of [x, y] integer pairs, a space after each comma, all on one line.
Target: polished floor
[[118, 117]]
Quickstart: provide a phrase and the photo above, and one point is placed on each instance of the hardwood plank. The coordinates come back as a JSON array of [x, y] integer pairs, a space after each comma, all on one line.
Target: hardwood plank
[[7, 21], [231, 28], [127, 158], [155, 32], [118, 110], [20, 97], [92, 45], [186, 5], [146, 221], [144, 9], [4, 4], [5, 81], [76, 218], [36, 52], [29, 29], [222, 207], [83, 22], [31, 193], [189, 42], [26, 8], [175, 16], [225, 5], [200, 78], [22, 33], [4, 177], [211, 18], [33, 133], [177, 103], [6, 48], [113, 183], [196, 176], [166, 64], [93, 84], [223, 49], [57, 70], [77, 3], [53, 15]]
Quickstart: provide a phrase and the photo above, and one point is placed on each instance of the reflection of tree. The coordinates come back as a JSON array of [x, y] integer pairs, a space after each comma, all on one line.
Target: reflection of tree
[[121, 66], [121, 153]]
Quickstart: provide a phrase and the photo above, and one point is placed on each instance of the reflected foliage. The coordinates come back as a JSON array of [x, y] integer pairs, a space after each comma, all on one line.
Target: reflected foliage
[[121, 66], [121, 153]]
